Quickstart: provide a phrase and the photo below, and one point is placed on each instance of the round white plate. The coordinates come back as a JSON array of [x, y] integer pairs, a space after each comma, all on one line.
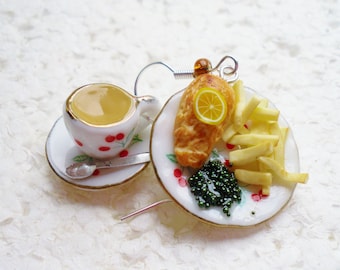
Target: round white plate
[[253, 208], [61, 152]]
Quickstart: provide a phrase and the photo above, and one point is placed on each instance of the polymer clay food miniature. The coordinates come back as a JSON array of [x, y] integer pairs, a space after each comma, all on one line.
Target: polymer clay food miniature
[[204, 112]]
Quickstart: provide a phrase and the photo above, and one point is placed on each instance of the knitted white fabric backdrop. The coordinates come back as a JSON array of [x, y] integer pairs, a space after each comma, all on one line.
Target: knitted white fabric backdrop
[[288, 50]]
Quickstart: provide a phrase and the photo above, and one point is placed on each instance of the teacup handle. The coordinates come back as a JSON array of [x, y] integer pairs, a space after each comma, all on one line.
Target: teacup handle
[[148, 107]]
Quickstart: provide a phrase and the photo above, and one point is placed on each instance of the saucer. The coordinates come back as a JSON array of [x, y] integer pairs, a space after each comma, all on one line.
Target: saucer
[[61, 152], [253, 209]]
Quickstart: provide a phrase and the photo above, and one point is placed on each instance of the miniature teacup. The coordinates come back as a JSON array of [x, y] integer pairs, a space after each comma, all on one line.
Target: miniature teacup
[[103, 118]]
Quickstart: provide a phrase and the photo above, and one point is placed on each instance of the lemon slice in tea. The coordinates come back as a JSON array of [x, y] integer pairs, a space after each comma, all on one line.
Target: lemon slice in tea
[[210, 106]]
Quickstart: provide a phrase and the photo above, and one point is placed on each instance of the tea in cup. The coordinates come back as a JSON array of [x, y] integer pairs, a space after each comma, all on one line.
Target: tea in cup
[[103, 118]]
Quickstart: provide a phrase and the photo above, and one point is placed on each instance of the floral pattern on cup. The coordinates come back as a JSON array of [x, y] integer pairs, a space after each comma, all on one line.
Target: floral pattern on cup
[[111, 140], [124, 153]]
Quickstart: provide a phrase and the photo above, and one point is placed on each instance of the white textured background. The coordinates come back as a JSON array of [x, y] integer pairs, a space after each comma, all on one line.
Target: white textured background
[[288, 50]]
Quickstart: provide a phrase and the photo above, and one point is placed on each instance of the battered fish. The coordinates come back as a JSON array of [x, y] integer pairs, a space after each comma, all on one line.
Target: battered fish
[[193, 139]]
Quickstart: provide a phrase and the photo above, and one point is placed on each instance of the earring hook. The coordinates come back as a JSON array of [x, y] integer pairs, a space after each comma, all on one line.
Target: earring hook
[[227, 72]]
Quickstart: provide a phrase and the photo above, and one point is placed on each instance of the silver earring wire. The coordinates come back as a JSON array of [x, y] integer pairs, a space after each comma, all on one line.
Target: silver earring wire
[[227, 72]]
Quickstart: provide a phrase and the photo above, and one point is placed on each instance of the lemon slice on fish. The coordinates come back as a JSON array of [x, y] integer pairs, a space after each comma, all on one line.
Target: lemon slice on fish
[[210, 106]]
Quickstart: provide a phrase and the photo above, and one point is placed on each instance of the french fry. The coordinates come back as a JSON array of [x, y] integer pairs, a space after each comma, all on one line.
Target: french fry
[[274, 129], [243, 108], [297, 177], [253, 177], [240, 96], [240, 100], [248, 176], [231, 130], [284, 133], [229, 133], [279, 150], [275, 167], [265, 114], [266, 190], [253, 139], [269, 164], [263, 103], [252, 166], [238, 115], [241, 117], [250, 154], [260, 127]]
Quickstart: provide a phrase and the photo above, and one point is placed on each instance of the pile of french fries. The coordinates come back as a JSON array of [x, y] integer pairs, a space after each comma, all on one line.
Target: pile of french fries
[[259, 155]]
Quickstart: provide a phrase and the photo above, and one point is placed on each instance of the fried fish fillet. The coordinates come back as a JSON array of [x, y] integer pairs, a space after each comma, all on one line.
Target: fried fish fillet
[[193, 139]]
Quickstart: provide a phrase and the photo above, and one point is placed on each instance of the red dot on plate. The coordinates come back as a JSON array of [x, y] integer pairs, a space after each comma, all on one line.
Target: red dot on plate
[[256, 197], [104, 148], [120, 136], [177, 172], [182, 182], [110, 138], [227, 163], [124, 153], [78, 142], [96, 172]]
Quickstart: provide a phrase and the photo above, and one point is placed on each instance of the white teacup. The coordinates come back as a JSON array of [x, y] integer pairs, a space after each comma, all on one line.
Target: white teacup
[[103, 118]]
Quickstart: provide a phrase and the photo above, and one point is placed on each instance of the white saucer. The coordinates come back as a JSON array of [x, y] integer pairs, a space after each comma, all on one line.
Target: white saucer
[[253, 209], [61, 152]]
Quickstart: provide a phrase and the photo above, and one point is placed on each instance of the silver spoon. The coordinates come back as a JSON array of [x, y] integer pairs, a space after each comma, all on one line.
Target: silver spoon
[[83, 170]]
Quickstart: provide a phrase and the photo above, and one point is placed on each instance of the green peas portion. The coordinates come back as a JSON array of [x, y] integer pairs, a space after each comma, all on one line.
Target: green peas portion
[[215, 185]]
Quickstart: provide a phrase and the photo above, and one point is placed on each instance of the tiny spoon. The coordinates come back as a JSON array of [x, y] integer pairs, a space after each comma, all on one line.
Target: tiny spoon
[[83, 170]]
